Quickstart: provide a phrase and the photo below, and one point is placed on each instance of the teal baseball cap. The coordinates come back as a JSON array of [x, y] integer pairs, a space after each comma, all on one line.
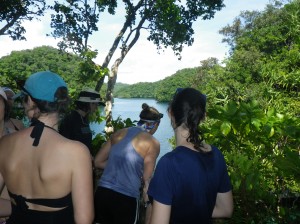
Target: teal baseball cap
[[42, 86]]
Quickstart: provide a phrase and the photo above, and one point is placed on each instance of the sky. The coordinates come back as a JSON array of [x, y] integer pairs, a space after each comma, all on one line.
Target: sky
[[143, 63]]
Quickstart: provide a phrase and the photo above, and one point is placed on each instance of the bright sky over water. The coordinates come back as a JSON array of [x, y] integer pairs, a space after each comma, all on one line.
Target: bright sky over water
[[143, 63]]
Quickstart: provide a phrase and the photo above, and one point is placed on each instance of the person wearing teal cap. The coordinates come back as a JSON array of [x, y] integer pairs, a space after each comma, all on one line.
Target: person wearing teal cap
[[48, 177], [42, 86]]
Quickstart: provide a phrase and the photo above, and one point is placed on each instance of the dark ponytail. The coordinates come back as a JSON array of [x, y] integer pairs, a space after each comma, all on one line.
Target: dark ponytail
[[188, 108]]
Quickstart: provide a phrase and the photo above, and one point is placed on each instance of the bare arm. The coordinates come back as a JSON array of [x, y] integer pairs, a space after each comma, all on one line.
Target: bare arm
[[149, 164], [224, 205], [4, 204], [102, 155], [160, 213], [82, 186], [5, 207], [148, 214]]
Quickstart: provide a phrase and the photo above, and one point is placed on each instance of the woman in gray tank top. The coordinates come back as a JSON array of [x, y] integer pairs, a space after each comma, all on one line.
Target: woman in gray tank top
[[128, 159]]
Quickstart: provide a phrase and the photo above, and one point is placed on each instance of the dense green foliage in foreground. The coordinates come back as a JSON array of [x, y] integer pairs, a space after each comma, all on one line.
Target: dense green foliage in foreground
[[253, 108]]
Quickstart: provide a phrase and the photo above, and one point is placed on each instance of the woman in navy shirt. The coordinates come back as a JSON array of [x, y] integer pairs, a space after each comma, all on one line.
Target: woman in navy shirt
[[191, 183]]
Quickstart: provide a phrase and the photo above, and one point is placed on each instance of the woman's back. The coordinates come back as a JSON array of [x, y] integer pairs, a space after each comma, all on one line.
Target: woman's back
[[41, 169], [49, 178], [193, 181], [45, 171]]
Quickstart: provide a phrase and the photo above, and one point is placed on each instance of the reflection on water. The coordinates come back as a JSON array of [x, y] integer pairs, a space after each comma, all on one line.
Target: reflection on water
[[131, 108]]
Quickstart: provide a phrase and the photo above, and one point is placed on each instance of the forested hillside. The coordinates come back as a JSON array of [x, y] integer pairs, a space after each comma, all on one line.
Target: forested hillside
[[161, 90], [20, 64], [139, 90]]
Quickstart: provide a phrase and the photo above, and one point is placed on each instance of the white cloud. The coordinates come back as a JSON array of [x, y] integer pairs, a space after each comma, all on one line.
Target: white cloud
[[143, 64]]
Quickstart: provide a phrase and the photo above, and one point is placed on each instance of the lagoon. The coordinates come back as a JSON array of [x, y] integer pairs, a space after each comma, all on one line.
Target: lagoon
[[131, 108]]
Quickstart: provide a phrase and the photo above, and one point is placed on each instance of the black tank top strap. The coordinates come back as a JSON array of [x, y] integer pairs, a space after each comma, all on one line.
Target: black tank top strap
[[54, 203], [37, 130], [20, 201]]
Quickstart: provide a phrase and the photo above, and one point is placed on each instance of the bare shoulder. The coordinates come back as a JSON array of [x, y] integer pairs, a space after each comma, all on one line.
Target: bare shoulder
[[11, 138], [146, 140], [118, 135], [73, 151], [148, 137], [75, 147]]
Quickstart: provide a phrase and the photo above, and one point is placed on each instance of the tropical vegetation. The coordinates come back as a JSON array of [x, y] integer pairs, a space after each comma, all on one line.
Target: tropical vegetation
[[253, 107]]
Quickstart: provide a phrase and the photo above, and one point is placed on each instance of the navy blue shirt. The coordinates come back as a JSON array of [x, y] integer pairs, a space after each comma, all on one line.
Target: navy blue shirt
[[189, 181]]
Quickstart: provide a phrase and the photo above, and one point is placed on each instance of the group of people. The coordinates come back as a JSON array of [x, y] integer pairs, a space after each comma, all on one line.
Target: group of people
[[47, 168]]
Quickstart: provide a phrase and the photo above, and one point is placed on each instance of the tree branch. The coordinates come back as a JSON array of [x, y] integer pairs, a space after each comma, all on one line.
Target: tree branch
[[8, 25], [116, 43]]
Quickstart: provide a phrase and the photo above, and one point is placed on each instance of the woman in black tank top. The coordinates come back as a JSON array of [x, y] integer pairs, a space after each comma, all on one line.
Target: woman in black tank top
[[48, 177]]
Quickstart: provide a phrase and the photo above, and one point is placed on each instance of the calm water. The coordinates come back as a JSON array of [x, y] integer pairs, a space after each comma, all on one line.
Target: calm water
[[131, 108]]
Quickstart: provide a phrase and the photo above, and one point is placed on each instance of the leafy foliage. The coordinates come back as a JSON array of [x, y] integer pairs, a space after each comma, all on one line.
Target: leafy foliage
[[266, 55], [253, 114], [14, 12], [171, 22], [42, 58], [258, 144]]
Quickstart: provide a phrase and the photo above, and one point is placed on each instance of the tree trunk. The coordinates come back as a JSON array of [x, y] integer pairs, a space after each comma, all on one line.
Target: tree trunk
[[112, 78]]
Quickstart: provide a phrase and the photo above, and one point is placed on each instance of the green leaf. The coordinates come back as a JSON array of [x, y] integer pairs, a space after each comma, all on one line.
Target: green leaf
[[247, 129], [256, 123], [225, 128], [272, 131], [280, 116], [231, 108]]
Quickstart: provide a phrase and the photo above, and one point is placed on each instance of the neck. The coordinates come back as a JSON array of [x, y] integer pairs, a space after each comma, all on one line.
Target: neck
[[181, 135], [50, 119]]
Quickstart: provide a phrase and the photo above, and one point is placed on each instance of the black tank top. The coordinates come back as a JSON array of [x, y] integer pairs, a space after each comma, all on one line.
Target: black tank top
[[21, 214]]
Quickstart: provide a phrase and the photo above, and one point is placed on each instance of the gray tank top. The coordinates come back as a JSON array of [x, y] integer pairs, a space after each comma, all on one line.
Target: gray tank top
[[124, 169]]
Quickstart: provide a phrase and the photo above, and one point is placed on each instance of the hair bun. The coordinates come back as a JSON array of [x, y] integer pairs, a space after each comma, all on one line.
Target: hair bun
[[145, 106]]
